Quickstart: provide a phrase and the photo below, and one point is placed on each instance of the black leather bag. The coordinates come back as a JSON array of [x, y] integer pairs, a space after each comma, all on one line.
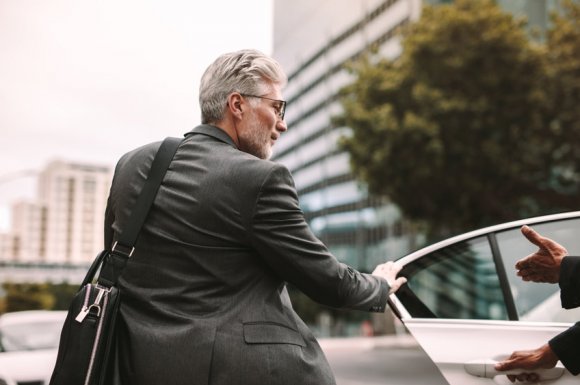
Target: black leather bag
[[86, 353], [86, 343]]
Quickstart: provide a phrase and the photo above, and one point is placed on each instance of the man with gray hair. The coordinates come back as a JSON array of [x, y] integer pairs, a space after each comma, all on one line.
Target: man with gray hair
[[204, 294]]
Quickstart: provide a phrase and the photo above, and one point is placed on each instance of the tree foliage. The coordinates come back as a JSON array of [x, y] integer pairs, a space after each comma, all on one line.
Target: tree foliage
[[466, 128], [36, 296], [563, 53], [26, 296]]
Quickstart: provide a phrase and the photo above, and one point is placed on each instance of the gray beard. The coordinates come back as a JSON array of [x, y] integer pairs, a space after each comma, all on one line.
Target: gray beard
[[253, 141]]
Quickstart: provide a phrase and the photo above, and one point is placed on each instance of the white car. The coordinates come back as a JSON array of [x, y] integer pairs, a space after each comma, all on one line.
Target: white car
[[467, 308], [28, 346]]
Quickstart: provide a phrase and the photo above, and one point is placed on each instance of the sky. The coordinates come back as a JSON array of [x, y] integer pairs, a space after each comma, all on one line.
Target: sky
[[88, 80]]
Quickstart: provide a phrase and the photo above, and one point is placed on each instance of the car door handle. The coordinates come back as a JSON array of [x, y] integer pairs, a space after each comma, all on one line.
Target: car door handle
[[486, 368]]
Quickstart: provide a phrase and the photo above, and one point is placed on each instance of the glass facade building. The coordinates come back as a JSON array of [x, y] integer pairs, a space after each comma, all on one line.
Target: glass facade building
[[313, 41]]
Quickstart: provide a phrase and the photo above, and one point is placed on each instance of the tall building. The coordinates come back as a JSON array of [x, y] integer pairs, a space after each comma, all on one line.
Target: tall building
[[74, 196], [313, 41], [64, 225], [6, 246], [28, 232]]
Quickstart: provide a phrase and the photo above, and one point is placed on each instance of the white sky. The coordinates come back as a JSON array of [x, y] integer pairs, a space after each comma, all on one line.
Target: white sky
[[88, 80]]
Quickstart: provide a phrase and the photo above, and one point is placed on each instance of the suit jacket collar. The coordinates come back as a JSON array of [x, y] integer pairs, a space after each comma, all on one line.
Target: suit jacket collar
[[214, 132]]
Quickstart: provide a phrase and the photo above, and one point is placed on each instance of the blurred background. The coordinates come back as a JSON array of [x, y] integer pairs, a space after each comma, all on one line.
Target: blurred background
[[409, 121]]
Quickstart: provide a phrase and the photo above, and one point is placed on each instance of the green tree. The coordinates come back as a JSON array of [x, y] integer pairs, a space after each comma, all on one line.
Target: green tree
[[27, 296], [563, 52], [63, 294], [36, 296], [458, 130]]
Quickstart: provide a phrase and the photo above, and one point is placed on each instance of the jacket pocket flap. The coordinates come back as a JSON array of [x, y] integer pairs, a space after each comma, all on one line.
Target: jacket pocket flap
[[271, 333]]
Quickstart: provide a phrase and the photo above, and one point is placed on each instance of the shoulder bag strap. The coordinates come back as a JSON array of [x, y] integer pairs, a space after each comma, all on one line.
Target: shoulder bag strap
[[123, 248]]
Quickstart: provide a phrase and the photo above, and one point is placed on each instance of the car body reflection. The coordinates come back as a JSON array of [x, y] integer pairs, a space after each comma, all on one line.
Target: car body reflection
[[28, 346]]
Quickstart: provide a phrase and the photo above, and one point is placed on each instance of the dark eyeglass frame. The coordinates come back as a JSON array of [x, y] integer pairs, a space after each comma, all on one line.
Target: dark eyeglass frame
[[282, 109]]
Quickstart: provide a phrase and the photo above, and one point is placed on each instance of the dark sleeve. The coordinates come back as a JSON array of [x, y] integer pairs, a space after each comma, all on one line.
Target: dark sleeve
[[570, 282], [566, 346], [280, 234]]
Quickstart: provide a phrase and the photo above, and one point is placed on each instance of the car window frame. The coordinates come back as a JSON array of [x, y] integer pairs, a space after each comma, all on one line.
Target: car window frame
[[405, 295], [504, 282]]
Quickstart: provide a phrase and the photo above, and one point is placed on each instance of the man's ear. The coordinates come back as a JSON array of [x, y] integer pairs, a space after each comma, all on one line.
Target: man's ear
[[235, 104]]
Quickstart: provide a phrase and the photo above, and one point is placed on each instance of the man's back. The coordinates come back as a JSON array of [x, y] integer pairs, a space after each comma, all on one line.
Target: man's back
[[201, 305]]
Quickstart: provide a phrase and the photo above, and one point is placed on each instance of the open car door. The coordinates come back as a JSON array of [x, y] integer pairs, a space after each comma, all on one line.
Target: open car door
[[467, 309]]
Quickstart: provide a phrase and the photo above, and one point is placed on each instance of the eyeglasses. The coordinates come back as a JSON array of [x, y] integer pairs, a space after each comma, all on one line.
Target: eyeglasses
[[280, 107]]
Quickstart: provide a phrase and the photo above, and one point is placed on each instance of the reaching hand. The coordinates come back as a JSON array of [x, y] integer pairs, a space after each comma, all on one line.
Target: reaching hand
[[389, 272], [544, 264], [529, 360]]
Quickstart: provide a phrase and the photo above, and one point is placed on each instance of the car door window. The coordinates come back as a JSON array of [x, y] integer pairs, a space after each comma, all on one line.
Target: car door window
[[458, 281], [513, 246]]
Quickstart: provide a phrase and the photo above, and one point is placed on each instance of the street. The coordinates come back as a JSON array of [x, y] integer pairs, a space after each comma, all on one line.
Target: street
[[388, 360]]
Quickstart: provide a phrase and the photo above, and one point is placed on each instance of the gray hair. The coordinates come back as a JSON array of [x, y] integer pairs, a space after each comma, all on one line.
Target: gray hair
[[247, 72]]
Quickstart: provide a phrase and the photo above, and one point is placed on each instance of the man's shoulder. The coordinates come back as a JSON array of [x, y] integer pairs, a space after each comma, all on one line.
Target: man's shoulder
[[247, 170], [136, 161], [262, 166], [140, 153]]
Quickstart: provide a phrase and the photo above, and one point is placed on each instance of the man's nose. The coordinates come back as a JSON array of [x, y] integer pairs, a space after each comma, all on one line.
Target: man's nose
[[281, 125]]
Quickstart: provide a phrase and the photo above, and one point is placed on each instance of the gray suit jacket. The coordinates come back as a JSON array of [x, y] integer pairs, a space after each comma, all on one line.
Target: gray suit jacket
[[203, 297]]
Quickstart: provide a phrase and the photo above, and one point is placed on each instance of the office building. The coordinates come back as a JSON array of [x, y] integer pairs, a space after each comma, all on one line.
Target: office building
[[74, 196], [313, 41], [6, 246], [28, 232], [64, 225]]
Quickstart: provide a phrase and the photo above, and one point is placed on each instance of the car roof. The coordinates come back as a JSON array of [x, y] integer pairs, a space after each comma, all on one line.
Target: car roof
[[487, 230], [31, 316]]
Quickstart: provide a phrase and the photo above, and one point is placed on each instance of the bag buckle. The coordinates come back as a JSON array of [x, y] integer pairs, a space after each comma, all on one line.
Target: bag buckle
[[130, 253]]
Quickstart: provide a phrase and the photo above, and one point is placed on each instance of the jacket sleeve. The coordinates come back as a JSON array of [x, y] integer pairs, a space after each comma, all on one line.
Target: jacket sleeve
[[565, 345], [570, 282], [280, 234]]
